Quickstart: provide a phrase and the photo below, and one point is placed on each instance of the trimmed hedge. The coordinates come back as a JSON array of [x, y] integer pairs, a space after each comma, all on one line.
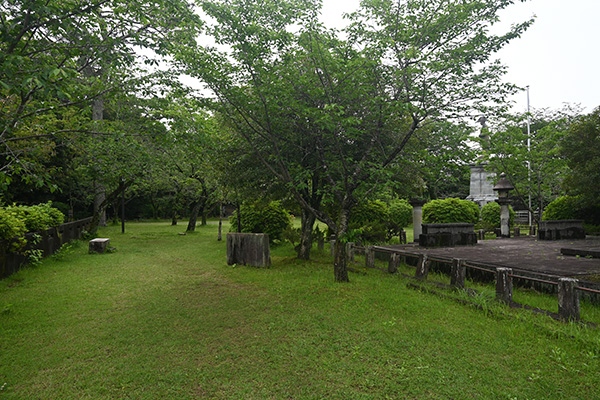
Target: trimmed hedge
[[450, 210]]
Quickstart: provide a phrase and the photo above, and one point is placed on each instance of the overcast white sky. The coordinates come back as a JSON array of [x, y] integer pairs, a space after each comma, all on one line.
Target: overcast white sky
[[558, 57]]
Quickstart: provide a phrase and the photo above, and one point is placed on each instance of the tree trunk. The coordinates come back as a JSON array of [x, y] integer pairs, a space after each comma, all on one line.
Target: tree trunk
[[220, 221], [203, 215], [99, 189], [193, 216], [306, 235], [102, 206], [174, 218], [340, 262]]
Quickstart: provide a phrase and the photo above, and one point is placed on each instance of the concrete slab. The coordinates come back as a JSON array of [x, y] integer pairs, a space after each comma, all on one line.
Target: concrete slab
[[522, 253]]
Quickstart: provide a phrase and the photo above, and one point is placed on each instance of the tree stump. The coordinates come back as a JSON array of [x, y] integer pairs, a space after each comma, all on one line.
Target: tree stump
[[248, 249]]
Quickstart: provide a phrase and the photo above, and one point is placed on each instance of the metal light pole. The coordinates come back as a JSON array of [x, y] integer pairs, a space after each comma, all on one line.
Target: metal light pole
[[529, 161]]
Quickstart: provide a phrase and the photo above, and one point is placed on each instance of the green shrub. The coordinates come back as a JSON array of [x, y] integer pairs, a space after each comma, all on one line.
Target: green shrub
[[270, 218], [369, 220], [400, 212], [490, 215], [450, 210], [10, 225], [564, 207], [30, 219]]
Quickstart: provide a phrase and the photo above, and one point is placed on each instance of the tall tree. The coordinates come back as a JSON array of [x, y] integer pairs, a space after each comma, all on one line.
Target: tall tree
[[533, 163], [61, 55], [330, 117], [581, 147]]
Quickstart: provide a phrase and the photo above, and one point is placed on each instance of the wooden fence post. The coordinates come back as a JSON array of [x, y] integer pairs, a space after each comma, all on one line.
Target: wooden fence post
[[568, 299], [422, 267], [457, 276], [350, 251], [369, 257], [504, 286], [393, 263]]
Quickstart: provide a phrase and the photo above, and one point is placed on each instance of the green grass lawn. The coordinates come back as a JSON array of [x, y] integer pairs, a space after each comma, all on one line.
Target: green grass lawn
[[164, 317]]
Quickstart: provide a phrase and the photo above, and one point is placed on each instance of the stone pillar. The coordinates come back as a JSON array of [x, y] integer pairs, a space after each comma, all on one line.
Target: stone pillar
[[568, 299], [504, 217], [422, 267], [369, 257], [393, 263], [458, 273], [417, 205], [504, 286]]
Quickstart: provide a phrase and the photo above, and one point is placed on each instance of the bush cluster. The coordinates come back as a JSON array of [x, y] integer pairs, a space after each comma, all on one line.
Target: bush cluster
[[450, 210], [574, 207], [564, 207], [368, 221], [270, 218], [18, 220], [377, 222]]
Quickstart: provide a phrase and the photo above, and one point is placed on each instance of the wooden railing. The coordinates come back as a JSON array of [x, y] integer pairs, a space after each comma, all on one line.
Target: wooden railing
[[568, 290], [47, 242]]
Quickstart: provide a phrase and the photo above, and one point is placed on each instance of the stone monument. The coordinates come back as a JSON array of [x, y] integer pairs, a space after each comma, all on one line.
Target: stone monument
[[481, 187]]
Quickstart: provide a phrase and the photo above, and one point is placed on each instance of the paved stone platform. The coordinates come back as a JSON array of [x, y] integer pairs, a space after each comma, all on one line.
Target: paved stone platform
[[522, 253]]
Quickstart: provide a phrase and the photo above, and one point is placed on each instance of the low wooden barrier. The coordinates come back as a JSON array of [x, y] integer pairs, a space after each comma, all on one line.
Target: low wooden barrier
[[47, 241], [568, 290]]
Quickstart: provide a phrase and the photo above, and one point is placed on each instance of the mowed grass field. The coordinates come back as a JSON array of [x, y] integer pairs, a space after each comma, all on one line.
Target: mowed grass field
[[164, 317]]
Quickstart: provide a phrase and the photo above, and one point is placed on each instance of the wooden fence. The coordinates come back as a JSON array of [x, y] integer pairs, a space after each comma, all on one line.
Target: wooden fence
[[568, 290], [48, 242]]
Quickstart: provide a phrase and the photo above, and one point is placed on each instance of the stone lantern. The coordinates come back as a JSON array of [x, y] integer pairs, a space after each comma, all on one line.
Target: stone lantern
[[502, 187]]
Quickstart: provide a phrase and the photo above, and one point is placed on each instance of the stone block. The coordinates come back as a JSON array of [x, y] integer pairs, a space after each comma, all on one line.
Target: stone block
[[561, 229], [447, 235], [99, 245]]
